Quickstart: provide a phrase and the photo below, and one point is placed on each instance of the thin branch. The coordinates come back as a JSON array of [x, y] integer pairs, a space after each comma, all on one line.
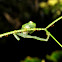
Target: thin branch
[[54, 22], [54, 38], [16, 31]]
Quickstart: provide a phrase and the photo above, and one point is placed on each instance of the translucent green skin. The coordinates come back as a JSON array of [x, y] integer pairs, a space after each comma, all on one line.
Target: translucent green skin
[[28, 25]]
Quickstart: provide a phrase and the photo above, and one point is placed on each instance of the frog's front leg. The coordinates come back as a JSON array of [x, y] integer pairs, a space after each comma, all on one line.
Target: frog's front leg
[[16, 37]]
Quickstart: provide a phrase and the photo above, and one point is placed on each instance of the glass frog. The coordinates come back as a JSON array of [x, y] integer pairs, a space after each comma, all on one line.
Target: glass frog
[[24, 34], [28, 25]]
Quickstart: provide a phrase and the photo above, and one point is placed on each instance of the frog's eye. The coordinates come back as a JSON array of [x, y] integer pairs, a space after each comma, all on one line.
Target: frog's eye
[[30, 22]]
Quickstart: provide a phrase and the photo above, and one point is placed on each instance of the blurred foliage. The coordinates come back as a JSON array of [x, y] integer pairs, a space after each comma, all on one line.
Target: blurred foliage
[[52, 6], [18, 8], [55, 56], [31, 59]]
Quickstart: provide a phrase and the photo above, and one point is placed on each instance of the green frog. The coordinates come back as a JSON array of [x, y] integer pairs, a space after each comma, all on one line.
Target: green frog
[[25, 34]]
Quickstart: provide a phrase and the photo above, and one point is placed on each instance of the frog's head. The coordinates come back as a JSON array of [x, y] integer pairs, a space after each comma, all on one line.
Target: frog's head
[[30, 24]]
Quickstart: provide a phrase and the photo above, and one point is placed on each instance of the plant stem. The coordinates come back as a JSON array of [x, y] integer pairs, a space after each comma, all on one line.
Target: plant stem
[[16, 31], [54, 22], [54, 38]]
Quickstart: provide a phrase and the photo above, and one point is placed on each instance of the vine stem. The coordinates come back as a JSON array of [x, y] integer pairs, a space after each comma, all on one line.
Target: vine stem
[[16, 31], [51, 25], [54, 38], [54, 22]]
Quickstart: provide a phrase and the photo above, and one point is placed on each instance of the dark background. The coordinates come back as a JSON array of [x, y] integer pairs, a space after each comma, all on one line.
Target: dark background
[[12, 50]]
